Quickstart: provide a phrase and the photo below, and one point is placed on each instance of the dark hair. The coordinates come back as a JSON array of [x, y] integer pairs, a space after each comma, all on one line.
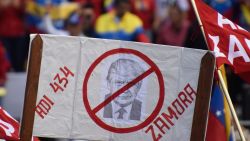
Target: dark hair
[[73, 19], [87, 5], [176, 5], [117, 2]]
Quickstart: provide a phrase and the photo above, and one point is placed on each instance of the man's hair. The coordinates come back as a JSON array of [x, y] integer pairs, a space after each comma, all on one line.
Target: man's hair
[[117, 2], [131, 67], [87, 6], [74, 18]]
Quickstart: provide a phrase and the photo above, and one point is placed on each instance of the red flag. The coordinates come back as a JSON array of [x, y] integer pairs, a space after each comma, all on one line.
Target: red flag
[[9, 127], [230, 42]]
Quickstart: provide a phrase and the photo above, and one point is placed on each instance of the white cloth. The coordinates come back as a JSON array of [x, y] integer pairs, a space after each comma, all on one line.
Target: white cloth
[[69, 117]]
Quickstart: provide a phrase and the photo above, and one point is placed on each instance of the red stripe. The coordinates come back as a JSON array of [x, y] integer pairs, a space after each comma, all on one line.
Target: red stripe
[[123, 89], [215, 130]]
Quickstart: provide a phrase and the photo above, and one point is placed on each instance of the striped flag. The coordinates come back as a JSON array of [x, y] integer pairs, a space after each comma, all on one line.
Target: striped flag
[[219, 121]]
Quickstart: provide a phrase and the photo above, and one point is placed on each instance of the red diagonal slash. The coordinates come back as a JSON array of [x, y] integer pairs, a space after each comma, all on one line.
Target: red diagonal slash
[[123, 89]]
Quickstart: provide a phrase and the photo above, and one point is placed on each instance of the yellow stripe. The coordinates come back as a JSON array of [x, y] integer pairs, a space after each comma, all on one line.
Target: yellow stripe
[[106, 23], [226, 107], [58, 12], [246, 13], [63, 11], [34, 9]]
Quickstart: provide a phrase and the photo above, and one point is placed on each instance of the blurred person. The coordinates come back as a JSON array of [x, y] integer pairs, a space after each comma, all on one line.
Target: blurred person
[[145, 10], [97, 5], [194, 38], [36, 10], [173, 30], [120, 24], [72, 27], [13, 31], [73, 24], [241, 15], [88, 15], [108, 5], [225, 7], [240, 91], [4, 66], [162, 8]]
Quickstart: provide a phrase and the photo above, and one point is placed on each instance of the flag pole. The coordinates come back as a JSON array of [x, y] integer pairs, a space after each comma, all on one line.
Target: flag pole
[[222, 81], [226, 93]]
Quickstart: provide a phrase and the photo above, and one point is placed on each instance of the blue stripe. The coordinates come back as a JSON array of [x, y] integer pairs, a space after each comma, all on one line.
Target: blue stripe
[[45, 2], [217, 104], [231, 137], [121, 35]]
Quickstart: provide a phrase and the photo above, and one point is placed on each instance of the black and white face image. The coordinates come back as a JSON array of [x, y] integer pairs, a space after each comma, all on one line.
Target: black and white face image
[[120, 73]]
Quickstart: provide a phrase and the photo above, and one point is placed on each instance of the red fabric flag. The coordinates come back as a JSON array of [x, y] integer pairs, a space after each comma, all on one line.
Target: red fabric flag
[[9, 127], [230, 42]]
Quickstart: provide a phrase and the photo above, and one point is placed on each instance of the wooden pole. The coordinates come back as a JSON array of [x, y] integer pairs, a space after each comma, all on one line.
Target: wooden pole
[[229, 101], [222, 81], [31, 89], [204, 90]]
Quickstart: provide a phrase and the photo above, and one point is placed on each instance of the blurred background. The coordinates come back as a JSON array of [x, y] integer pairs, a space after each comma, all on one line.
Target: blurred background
[[169, 22]]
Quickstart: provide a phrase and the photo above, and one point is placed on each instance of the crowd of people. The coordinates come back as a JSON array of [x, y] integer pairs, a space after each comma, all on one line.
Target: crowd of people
[[169, 22]]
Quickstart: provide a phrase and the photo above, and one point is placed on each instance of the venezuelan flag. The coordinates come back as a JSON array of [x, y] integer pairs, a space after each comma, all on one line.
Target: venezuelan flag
[[219, 121], [35, 10]]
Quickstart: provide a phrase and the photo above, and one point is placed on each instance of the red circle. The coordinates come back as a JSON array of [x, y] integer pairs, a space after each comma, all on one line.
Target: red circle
[[154, 113]]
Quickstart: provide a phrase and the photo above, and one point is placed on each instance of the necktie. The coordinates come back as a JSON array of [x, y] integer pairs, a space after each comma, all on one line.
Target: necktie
[[121, 112]]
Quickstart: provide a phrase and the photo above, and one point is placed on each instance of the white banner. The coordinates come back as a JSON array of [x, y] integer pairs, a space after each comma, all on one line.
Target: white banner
[[109, 90]]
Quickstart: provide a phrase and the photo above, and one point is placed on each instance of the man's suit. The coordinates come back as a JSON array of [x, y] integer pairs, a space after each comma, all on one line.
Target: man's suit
[[135, 113]]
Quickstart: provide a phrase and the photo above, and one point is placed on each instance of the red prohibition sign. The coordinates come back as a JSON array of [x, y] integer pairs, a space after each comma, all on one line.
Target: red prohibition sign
[[153, 69]]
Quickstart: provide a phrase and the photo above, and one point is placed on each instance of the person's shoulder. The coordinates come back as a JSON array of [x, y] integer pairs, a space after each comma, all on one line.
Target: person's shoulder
[[102, 21], [105, 17], [132, 17]]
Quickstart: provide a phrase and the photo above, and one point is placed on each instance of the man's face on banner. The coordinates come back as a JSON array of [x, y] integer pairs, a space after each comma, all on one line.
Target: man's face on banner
[[129, 95], [120, 74]]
